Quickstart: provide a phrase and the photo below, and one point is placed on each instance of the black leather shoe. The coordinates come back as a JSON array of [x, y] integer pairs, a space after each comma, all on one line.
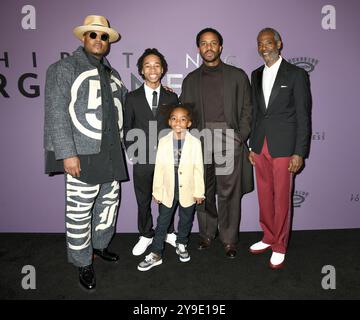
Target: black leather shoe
[[230, 251], [87, 277], [204, 244], [106, 255]]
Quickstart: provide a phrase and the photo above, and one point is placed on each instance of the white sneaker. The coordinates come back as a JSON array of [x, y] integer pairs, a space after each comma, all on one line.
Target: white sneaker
[[141, 246], [259, 247], [277, 260], [151, 260], [182, 252], [171, 239]]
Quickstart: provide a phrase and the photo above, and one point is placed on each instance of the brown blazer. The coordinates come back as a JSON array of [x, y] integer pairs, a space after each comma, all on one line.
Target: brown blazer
[[237, 110]]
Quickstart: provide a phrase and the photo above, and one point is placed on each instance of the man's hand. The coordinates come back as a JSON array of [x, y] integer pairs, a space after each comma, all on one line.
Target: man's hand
[[72, 166], [252, 157], [296, 162]]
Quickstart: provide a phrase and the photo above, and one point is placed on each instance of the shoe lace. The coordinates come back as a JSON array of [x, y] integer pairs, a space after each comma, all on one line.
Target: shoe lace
[[150, 257]]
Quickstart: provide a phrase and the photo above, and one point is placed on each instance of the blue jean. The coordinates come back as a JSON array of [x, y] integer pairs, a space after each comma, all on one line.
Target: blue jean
[[186, 218]]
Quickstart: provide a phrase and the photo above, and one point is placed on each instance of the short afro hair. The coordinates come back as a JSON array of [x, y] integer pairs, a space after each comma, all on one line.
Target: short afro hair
[[217, 33]]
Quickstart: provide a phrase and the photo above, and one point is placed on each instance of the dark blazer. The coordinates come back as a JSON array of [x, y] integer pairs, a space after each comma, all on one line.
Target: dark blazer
[[237, 110], [237, 98], [286, 122], [138, 113]]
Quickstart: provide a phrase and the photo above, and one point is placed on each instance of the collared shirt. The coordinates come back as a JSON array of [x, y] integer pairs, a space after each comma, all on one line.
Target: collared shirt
[[268, 79], [149, 94]]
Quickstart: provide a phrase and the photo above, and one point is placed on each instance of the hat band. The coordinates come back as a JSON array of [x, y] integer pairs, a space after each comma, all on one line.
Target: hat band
[[100, 25]]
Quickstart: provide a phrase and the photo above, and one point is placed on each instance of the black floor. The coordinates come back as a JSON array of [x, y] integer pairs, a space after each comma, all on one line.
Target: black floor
[[208, 275]]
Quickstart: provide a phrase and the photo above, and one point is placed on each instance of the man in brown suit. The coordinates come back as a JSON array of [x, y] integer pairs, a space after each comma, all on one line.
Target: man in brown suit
[[221, 97]]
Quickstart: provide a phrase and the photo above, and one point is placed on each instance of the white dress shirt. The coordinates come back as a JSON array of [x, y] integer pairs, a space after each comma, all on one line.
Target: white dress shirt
[[268, 79], [149, 94]]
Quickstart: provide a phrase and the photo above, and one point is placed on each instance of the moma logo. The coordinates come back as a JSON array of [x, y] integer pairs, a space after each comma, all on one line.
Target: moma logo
[[308, 64], [299, 198]]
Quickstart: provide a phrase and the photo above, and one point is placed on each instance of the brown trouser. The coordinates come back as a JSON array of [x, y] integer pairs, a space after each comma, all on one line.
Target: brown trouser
[[225, 217]]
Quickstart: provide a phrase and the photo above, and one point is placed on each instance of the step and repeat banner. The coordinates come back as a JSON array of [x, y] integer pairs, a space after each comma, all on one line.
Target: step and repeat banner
[[319, 36]]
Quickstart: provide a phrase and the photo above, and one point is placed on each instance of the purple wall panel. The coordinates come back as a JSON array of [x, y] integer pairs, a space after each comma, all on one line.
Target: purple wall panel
[[327, 192]]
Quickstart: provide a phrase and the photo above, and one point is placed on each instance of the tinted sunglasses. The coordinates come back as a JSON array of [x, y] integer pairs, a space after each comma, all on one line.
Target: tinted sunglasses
[[103, 37]]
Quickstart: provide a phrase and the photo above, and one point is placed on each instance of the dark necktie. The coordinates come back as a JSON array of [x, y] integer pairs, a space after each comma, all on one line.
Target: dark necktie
[[154, 103]]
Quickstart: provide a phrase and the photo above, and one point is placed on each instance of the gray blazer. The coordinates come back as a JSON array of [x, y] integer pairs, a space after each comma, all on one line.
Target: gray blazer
[[73, 115]]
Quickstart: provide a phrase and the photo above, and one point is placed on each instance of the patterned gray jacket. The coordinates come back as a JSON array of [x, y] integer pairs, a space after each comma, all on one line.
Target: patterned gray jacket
[[73, 113]]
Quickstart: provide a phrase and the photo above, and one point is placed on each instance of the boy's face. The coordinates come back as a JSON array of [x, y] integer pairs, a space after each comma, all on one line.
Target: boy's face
[[179, 120], [152, 69]]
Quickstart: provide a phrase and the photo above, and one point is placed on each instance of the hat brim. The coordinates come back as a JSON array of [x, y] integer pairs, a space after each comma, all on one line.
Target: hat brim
[[80, 30]]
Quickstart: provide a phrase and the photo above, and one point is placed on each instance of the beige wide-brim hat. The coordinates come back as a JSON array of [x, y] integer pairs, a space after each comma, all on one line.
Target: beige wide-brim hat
[[96, 23]]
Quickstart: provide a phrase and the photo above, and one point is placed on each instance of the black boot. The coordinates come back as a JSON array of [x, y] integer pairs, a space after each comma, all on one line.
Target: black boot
[[87, 277], [230, 250], [106, 255]]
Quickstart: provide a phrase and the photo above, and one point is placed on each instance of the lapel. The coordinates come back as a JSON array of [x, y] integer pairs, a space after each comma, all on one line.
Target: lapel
[[279, 80], [260, 93], [228, 112], [147, 109], [198, 88], [186, 157], [185, 152], [169, 156], [162, 98]]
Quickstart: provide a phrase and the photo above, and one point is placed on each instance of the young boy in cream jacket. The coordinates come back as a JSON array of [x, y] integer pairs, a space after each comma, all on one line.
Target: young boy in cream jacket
[[178, 181]]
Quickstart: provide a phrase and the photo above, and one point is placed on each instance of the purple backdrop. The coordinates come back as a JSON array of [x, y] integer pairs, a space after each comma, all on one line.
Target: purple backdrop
[[326, 193]]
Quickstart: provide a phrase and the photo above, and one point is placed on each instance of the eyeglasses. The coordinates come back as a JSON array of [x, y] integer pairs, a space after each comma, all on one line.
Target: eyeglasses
[[103, 37]]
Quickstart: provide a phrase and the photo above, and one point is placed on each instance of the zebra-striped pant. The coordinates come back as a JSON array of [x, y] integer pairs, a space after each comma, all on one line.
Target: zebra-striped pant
[[90, 217]]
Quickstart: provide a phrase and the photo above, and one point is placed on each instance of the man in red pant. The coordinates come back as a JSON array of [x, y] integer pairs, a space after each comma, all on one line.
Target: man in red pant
[[279, 140]]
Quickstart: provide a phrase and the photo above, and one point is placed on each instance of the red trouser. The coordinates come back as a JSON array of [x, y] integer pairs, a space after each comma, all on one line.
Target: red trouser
[[274, 186]]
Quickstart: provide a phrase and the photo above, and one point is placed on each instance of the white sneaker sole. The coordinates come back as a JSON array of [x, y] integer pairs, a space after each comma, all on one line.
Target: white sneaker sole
[[149, 267], [138, 252], [259, 248], [182, 259]]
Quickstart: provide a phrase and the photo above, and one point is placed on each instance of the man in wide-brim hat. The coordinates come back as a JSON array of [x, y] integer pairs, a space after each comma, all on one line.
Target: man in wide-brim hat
[[96, 23], [84, 96]]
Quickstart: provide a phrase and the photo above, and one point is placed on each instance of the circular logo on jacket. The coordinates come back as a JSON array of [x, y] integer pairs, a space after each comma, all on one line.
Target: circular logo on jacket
[[85, 105]]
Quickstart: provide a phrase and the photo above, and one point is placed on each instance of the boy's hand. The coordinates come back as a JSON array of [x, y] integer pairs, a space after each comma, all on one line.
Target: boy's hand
[[198, 200], [157, 201]]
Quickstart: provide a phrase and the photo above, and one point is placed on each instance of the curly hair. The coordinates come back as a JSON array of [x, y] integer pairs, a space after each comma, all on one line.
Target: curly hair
[[155, 52]]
